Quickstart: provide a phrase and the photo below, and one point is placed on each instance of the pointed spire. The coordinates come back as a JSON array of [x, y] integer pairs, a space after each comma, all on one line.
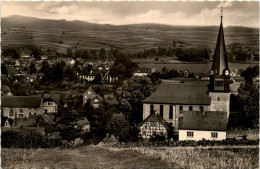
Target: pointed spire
[[220, 57]]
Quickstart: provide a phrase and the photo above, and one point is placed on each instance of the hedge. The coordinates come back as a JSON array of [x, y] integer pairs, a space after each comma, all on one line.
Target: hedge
[[27, 139]]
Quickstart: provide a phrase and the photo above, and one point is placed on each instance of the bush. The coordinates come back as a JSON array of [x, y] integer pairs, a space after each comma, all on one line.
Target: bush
[[157, 137], [27, 139]]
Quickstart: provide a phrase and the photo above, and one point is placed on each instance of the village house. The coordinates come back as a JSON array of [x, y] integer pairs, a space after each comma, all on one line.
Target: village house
[[21, 106], [51, 102], [170, 100], [102, 70], [154, 124], [6, 91], [90, 95], [199, 125], [142, 72]]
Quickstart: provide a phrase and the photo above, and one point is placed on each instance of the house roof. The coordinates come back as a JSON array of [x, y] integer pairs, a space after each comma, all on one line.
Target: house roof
[[142, 70], [5, 88], [26, 122], [180, 93], [52, 97], [11, 70], [91, 89], [48, 118], [83, 122], [156, 118], [208, 120], [21, 101], [235, 86]]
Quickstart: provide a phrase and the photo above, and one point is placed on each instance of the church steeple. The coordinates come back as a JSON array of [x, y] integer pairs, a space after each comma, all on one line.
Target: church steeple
[[219, 73], [220, 63]]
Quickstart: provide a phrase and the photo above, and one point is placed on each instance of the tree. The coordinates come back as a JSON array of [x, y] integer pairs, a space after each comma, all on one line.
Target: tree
[[57, 73], [121, 128], [32, 68], [36, 53], [123, 66], [4, 69], [130, 96], [68, 131], [250, 73], [14, 53], [102, 54], [249, 101], [97, 79]]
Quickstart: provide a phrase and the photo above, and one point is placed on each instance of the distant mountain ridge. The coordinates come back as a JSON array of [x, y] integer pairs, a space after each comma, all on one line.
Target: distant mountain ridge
[[17, 21]]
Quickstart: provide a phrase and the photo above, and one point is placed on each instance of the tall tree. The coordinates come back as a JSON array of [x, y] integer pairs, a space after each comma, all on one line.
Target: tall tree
[[102, 54], [130, 96], [4, 69], [32, 68]]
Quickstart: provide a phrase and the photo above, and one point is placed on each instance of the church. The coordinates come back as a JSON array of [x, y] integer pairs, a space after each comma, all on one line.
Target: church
[[199, 105]]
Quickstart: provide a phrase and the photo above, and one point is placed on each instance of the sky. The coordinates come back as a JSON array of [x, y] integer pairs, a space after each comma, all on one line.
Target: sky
[[136, 12]]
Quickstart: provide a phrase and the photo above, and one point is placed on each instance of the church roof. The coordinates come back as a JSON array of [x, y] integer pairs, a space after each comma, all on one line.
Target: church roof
[[208, 121], [220, 56], [180, 93]]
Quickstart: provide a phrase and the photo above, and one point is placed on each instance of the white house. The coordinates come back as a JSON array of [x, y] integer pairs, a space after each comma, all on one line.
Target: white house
[[198, 125]]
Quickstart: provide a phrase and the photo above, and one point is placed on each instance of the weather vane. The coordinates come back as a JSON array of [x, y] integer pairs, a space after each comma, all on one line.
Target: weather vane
[[221, 13]]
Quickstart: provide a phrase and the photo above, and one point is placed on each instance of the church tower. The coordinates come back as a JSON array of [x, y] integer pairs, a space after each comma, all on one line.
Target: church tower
[[219, 86]]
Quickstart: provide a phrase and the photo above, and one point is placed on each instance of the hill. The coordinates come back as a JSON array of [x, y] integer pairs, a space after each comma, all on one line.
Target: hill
[[21, 30], [17, 21]]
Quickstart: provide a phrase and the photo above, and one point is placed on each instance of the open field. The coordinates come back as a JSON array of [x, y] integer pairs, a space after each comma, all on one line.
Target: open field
[[131, 38], [193, 67], [132, 158]]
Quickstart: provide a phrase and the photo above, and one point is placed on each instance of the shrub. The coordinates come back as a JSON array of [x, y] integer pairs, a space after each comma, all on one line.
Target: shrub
[[27, 139]]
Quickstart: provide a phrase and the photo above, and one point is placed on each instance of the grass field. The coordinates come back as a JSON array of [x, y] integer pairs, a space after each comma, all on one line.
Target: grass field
[[131, 158], [193, 67], [129, 38]]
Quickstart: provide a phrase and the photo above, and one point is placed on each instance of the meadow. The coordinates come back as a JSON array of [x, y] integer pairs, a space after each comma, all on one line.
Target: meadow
[[131, 158], [131, 38], [192, 67]]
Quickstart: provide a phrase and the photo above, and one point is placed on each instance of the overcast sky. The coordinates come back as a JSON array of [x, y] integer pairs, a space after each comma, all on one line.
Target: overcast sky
[[119, 13]]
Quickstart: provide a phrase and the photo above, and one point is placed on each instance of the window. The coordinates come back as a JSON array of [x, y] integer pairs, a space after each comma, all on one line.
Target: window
[[2, 112], [11, 112], [181, 108], [21, 110], [171, 112], [161, 110], [214, 135], [20, 115], [201, 108], [190, 108], [151, 108], [189, 134], [219, 83], [218, 99], [89, 92]]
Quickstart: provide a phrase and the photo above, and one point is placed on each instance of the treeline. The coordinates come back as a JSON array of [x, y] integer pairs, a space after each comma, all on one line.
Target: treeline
[[183, 54]]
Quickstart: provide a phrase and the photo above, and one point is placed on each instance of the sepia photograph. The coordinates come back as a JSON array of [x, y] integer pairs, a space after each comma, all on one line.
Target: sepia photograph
[[129, 84]]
